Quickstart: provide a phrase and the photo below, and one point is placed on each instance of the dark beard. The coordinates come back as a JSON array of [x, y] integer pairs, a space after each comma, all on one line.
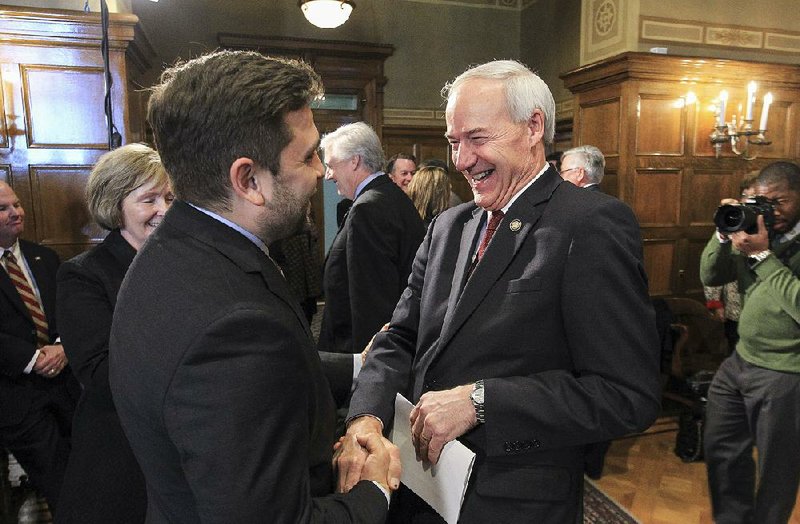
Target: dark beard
[[285, 215]]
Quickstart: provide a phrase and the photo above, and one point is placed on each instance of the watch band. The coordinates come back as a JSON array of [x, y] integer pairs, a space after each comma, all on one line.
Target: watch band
[[756, 258], [477, 401]]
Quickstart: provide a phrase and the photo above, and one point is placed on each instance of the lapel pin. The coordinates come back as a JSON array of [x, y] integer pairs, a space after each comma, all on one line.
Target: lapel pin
[[515, 225]]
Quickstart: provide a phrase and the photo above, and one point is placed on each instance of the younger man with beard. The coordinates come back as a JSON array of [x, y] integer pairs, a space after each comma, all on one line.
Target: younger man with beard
[[213, 370]]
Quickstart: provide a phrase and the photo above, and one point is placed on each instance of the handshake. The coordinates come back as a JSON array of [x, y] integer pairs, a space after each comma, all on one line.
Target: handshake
[[364, 454]]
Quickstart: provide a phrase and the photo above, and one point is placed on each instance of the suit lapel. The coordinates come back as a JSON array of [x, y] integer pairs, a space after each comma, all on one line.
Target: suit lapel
[[468, 236], [506, 243], [236, 247], [13, 295], [276, 283]]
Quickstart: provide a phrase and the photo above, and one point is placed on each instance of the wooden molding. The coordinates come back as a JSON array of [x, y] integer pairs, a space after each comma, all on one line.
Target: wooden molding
[[672, 68], [712, 35], [29, 26]]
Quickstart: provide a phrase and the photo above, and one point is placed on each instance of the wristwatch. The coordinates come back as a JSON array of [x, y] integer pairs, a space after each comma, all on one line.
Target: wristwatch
[[477, 401], [756, 258]]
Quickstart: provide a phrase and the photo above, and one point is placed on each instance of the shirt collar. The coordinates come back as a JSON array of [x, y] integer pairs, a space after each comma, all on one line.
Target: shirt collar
[[15, 250], [254, 239], [789, 235], [526, 186], [360, 187]]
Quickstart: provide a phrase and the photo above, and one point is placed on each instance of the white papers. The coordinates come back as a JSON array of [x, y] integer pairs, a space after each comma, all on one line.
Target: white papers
[[443, 485]]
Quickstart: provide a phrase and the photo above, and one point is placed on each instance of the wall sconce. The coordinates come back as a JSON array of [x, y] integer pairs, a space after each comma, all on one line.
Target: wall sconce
[[740, 133], [326, 14]]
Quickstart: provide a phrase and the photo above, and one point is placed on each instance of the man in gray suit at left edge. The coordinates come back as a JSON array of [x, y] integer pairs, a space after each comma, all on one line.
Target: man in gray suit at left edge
[[212, 366]]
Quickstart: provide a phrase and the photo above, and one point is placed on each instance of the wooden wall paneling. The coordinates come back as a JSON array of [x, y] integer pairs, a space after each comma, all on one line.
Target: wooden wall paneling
[[425, 143], [690, 282], [661, 125], [64, 107], [667, 170], [53, 100], [707, 188], [656, 199], [5, 142], [58, 202], [659, 263], [600, 124]]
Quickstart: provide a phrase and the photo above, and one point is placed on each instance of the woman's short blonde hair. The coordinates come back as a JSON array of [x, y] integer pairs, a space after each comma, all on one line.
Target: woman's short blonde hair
[[115, 175], [429, 190]]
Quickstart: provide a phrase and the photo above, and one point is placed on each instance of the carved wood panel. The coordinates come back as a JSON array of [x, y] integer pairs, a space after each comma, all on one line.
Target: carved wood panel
[[667, 169], [659, 261], [64, 107], [59, 203], [600, 121], [654, 200], [661, 125], [53, 105]]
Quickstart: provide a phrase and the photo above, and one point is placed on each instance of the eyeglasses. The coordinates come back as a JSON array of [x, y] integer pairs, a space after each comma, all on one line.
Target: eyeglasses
[[570, 169]]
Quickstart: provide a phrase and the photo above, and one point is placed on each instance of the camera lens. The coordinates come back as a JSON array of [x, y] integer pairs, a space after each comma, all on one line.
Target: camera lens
[[730, 218]]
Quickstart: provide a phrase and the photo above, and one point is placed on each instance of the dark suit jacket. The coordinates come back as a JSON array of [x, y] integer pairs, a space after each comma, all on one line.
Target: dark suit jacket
[[218, 386], [368, 265], [18, 338], [555, 318], [103, 482]]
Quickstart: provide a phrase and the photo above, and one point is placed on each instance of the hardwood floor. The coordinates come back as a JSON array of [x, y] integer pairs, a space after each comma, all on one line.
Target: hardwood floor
[[644, 475]]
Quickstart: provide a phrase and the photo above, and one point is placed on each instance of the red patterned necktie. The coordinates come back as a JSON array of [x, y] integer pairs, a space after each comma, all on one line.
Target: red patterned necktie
[[28, 297], [491, 227]]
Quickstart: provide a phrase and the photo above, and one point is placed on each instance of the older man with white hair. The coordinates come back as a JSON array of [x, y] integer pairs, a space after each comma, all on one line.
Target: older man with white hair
[[583, 166], [526, 330]]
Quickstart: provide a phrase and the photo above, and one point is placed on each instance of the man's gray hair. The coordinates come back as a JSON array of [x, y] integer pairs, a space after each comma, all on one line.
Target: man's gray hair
[[590, 159], [525, 91], [354, 139]]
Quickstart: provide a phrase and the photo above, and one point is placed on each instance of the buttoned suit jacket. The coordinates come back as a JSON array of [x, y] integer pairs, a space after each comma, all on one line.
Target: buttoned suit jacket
[[367, 266], [18, 338], [555, 318], [218, 386], [103, 482]]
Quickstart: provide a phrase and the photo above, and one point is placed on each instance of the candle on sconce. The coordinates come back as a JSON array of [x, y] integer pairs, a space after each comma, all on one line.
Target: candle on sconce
[[751, 98], [762, 126], [723, 101]]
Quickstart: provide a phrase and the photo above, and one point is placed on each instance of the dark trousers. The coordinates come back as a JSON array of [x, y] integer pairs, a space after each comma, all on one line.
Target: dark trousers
[[41, 442], [747, 406]]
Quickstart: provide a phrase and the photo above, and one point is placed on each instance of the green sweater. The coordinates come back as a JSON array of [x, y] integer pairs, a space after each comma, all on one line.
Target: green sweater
[[769, 325]]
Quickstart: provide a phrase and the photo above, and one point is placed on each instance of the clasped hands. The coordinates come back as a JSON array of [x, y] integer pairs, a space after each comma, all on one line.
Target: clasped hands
[[438, 418], [50, 361]]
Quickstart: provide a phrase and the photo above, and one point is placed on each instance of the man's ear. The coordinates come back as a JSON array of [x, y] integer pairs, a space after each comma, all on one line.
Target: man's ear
[[536, 126], [246, 182]]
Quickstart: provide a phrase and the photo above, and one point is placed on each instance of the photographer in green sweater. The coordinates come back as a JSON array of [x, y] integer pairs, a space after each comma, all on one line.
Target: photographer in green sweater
[[754, 398]]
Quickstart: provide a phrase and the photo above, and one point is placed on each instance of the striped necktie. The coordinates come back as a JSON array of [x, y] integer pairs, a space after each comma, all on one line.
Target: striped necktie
[[28, 297]]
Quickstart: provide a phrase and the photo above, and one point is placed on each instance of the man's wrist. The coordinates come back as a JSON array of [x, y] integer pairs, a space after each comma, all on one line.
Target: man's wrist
[[756, 258], [477, 398]]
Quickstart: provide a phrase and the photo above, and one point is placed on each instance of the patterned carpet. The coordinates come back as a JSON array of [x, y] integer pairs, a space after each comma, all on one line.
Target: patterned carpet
[[599, 508]]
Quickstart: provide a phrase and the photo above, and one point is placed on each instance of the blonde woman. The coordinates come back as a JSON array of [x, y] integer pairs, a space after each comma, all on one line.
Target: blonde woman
[[430, 191]]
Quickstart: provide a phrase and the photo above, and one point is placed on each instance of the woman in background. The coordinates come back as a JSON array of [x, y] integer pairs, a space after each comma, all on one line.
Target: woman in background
[[128, 193], [430, 192]]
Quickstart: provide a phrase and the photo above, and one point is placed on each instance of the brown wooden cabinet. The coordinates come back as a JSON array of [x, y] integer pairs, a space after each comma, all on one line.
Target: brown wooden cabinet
[[637, 108], [54, 128]]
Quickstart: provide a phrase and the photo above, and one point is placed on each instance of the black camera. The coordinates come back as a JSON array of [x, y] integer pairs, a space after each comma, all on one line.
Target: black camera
[[730, 218]]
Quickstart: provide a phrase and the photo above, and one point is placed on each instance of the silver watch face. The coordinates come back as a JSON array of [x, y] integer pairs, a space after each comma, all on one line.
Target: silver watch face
[[477, 395]]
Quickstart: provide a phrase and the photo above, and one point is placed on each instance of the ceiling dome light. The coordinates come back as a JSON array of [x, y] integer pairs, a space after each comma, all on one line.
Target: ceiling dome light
[[327, 14]]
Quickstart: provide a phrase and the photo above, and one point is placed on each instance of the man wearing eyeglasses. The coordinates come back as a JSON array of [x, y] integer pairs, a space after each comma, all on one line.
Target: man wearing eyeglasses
[[754, 396], [583, 166]]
